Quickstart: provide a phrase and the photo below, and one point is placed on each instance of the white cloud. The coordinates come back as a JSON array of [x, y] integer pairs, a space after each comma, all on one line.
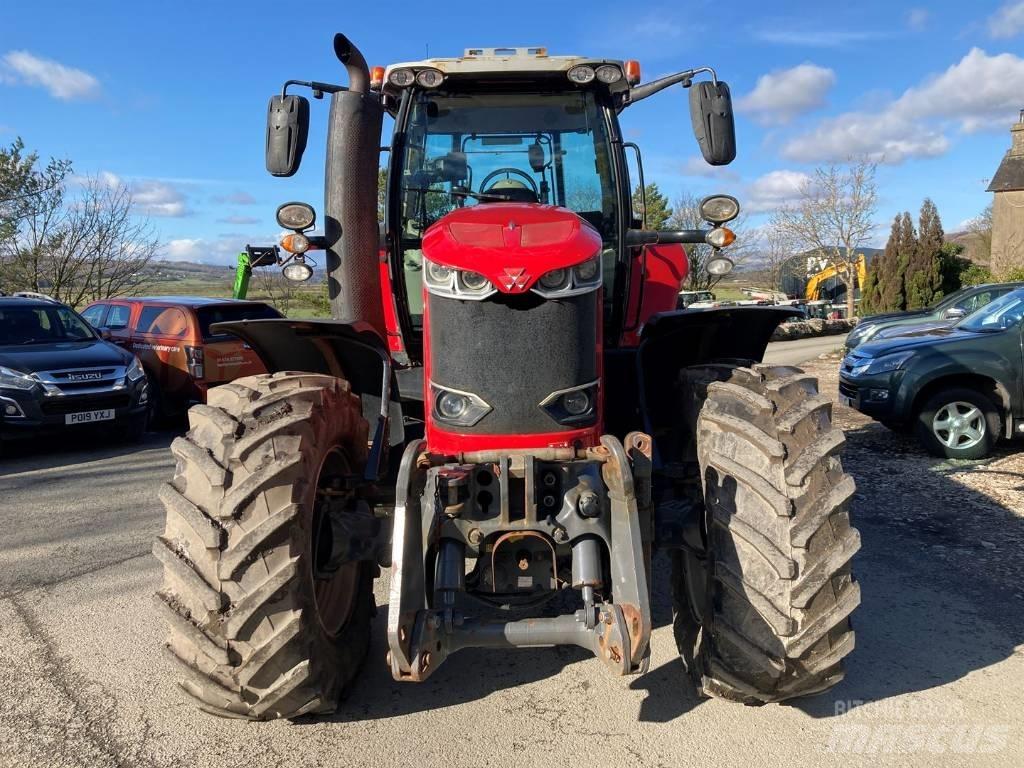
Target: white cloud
[[220, 250], [240, 220], [696, 167], [63, 82], [785, 94], [1008, 21], [774, 189], [917, 18], [151, 197], [980, 92], [786, 32], [238, 197]]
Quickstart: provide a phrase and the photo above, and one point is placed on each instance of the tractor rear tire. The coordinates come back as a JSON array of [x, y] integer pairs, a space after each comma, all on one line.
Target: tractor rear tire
[[247, 603], [762, 613]]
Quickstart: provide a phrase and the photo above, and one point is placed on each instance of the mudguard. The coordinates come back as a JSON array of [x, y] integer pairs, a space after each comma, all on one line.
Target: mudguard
[[354, 351], [670, 341]]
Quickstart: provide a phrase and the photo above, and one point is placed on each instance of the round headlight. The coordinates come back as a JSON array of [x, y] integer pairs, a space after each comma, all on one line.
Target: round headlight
[[296, 216], [297, 272], [438, 273], [720, 266], [554, 279], [719, 209], [608, 74], [401, 77], [581, 74], [576, 403], [429, 78], [587, 271], [451, 405], [474, 281]]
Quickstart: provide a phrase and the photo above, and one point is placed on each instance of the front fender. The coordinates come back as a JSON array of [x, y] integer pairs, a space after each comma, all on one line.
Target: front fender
[[353, 351]]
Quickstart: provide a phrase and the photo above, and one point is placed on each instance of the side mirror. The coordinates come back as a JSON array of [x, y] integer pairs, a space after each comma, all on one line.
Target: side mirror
[[712, 118], [535, 153], [287, 131], [104, 332], [955, 313]]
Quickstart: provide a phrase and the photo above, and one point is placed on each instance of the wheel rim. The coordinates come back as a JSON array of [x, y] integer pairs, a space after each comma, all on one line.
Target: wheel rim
[[334, 590], [959, 425]]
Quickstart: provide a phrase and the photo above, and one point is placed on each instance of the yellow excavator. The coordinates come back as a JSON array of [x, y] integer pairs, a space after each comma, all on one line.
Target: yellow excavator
[[828, 283]]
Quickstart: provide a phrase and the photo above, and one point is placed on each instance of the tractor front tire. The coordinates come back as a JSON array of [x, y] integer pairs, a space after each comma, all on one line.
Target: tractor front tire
[[762, 613], [261, 631]]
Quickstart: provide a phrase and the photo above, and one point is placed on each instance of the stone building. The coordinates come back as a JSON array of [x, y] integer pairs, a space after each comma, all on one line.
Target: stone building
[[1008, 206]]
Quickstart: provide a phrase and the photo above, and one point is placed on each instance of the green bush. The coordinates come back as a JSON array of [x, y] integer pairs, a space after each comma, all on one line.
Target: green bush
[[975, 275]]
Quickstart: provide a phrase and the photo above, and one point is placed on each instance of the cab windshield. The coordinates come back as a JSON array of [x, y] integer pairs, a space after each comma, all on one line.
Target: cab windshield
[[41, 325], [472, 149]]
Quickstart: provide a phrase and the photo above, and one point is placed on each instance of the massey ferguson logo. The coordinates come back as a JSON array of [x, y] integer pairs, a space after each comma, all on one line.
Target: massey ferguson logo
[[515, 279], [87, 376]]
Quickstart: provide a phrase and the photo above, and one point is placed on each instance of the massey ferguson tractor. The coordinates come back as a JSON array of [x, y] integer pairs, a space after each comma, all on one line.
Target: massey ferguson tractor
[[507, 411]]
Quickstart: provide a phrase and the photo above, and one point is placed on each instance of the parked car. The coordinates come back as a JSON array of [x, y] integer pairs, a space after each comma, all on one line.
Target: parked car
[[57, 373], [960, 387], [946, 311], [180, 353], [689, 298]]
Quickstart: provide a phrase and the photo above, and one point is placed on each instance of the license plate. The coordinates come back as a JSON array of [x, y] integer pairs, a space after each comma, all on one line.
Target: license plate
[[89, 417], [844, 400]]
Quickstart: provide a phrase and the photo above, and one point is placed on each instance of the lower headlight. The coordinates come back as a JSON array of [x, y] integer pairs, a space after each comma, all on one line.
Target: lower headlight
[[456, 408], [11, 379], [576, 403], [573, 407], [883, 364], [297, 272], [720, 266]]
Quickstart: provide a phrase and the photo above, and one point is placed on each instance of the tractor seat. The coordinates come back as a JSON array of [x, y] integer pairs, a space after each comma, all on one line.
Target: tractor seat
[[511, 191]]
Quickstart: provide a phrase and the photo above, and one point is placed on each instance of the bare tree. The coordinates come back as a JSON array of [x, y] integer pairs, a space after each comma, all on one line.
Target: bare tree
[[276, 288], [686, 215], [980, 245], [833, 216], [83, 248], [775, 247]]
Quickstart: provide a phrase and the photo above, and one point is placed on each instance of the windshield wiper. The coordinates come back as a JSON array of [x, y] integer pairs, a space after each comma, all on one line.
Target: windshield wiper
[[482, 196]]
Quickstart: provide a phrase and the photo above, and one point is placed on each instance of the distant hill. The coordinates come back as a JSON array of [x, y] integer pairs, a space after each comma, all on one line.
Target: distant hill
[[162, 271]]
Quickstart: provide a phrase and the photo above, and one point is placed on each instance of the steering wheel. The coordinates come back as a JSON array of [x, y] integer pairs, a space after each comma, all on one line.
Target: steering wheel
[[522, 174]]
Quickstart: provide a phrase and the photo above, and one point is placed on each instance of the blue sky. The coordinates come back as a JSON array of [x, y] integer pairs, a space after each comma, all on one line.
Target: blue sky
[[171, 97]]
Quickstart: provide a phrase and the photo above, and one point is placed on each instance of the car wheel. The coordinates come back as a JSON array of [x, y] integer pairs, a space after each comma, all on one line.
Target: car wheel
[[959, 423]]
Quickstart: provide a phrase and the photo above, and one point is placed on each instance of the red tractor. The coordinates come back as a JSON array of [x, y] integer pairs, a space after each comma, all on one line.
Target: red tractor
[[507, 410]]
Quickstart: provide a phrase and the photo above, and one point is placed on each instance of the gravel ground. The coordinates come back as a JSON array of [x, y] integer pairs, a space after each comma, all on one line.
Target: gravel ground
[[935, 679]]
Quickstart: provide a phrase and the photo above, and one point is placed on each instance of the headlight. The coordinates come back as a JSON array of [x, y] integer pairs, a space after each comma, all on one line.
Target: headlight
[[862, 333], [883, 364], [11, 379], [719, 209], [608, 74], [456, 408], [135, 370], [297, 272], [720, 266], [295, 243], [562, 283], [429, 78], [720, 237], [581, 74], [401, 77], [576, 406], [296, 216], [452, 283]]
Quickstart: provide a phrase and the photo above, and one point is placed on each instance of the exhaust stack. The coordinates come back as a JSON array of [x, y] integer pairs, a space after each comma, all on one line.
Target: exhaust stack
[[351, 230]]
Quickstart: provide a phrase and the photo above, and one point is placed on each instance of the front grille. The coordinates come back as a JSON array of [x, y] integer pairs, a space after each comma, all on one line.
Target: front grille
[[513, 351], [847, 390], [71, 404]]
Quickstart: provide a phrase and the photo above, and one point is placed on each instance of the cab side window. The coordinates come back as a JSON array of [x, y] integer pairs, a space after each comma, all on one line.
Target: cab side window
[[118, 316], [94, 315]]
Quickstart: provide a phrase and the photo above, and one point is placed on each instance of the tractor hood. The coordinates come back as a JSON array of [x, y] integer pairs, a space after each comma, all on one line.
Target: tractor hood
[[512, 244]]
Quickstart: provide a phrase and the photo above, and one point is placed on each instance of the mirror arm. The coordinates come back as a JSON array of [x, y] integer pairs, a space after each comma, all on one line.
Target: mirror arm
[[637, 237], [649, 89], [318, 88]]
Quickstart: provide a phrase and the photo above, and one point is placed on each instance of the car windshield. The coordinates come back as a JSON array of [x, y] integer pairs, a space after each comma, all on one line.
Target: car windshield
[[41, 325], [1005, 312]]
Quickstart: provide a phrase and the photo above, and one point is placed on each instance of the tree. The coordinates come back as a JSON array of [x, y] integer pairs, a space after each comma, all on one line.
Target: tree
[[980, 229], [382, 192], [775, 247], [833, 216], [924, 273], [77, 245], [889, 278], [686, 215], [657, 213], [276, 289], [22, 183]]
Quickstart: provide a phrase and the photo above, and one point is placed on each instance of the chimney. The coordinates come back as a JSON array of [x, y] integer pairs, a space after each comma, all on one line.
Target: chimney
[[1017, 132]]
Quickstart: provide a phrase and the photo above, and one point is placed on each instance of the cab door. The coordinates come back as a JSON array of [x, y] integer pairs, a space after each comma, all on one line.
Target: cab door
[[118, 322]]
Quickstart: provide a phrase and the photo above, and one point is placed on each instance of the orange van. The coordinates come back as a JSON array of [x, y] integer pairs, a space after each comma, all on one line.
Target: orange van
[[171, 335]]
